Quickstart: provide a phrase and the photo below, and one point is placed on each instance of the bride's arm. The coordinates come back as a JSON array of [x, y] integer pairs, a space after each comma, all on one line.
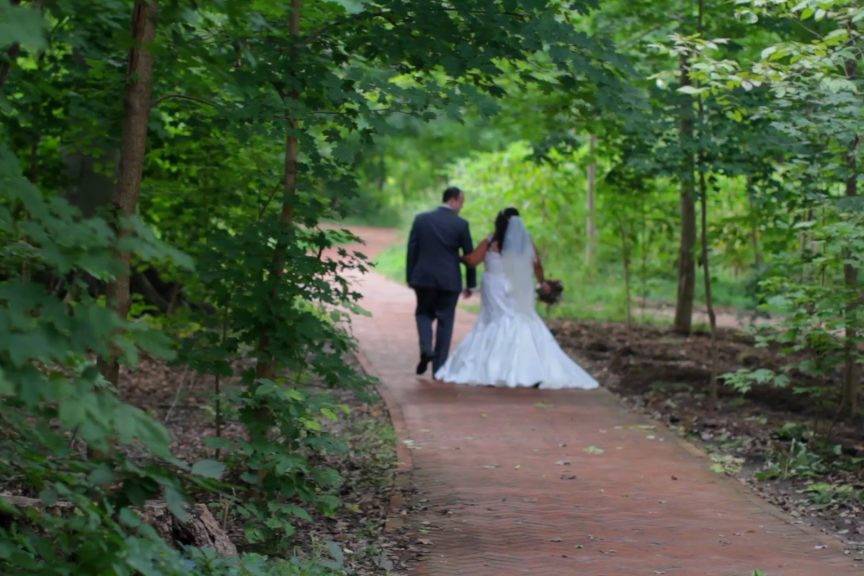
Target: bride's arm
[[474, 258]]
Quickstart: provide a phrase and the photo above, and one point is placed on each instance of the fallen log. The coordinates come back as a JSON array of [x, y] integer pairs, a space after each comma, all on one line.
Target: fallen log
[[200, 529]]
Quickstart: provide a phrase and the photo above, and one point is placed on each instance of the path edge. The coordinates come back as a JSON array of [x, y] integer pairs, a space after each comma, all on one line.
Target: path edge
[[745, 490], [404, 462]]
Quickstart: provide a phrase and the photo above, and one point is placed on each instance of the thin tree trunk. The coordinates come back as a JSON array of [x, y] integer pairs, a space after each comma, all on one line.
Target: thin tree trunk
[[851, 368], [754, 226], [803, 243], [686, 259], [703, 203], [33, 166], [266, 363], [643, 255], [706, 269], [625, 263], [136, 113], [382, 171], [217, 382], [591, 223]]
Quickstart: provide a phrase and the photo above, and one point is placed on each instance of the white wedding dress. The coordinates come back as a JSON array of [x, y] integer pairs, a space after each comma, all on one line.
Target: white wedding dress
[[510, 345]]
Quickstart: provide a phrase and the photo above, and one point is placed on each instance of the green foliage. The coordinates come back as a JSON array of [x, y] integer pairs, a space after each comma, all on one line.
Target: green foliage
[[207, 563], [245, 285], [743, 380], [387, 101], [55, 405], [277, 465], [798, 461], [814, 302], [824, 494]]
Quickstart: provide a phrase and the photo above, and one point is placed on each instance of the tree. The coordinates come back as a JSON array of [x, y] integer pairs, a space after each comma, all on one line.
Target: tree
[[591, 197], [136, 114], [687, 241]]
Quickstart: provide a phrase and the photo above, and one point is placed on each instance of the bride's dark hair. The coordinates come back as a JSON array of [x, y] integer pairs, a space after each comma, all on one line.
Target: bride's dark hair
[[501, 222]]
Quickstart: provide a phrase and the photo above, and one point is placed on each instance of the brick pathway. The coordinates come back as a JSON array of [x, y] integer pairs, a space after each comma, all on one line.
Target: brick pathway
[[564, 483]]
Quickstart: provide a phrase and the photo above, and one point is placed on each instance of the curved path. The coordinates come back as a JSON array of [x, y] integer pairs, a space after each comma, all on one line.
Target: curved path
[[563, 483]]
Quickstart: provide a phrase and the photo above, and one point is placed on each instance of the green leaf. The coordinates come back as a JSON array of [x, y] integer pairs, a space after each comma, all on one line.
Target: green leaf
[[21, 24], [48, 496], [327, 477], [176, 503], [7, 507], [101, 475], [7, 387], [129, 518], [350, 6], [747, 16], [208, 469]]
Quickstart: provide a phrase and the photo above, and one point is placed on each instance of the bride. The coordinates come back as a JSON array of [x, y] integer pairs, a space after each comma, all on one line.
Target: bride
[[510, 344]]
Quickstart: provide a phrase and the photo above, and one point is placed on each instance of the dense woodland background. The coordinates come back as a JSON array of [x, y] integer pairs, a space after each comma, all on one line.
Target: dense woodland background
[[170, 172]]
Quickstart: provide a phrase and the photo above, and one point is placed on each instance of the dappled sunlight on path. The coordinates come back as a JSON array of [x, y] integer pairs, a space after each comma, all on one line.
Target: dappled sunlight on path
[[563, 482]]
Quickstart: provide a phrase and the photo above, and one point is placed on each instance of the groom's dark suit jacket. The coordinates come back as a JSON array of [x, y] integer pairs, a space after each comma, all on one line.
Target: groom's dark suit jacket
[[436, 239]]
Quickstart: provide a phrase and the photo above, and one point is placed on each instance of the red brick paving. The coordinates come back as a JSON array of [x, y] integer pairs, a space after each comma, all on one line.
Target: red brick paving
[[516, 482]]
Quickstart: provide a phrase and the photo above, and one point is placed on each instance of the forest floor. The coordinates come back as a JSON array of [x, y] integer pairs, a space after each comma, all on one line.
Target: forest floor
[[656, 313], [354, 538]]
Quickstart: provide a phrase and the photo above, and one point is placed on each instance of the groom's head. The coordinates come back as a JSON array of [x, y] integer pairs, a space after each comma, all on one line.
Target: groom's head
[[454, 198]]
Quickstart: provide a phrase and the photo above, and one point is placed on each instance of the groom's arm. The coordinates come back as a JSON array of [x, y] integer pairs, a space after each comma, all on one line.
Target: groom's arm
[[411, 260], [468, 248]]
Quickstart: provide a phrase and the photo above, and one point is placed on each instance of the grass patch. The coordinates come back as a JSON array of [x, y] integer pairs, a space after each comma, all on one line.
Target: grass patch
[[391, 262]]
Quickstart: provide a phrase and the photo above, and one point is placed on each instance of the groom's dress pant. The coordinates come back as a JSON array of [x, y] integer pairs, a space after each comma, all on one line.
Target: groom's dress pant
[[435, 305]]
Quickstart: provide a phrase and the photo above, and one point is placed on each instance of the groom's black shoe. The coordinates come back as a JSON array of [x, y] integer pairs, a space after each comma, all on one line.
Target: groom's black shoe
[[424, 364]]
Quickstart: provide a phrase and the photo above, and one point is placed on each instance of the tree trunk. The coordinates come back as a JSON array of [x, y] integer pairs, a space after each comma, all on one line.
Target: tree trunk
[[591, 201], [382, 171], [851, 368], [706, 268], [33, 165], [643, 256], [625, 264], [266, 362], [136, 114], [686, 260], [754, 226], [703, 204]]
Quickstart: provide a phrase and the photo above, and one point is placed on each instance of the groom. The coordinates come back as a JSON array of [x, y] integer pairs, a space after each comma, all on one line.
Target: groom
[[433, 272]]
